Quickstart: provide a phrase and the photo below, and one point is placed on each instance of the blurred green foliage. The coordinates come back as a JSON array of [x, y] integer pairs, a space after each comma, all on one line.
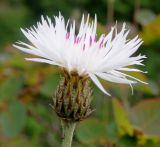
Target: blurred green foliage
[[26, 89]]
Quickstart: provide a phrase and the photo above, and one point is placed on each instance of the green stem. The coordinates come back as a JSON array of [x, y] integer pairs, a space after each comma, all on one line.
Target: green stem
[[68, 130]]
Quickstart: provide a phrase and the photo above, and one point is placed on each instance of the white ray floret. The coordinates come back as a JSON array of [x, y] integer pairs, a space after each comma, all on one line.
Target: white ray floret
[[108, 57]]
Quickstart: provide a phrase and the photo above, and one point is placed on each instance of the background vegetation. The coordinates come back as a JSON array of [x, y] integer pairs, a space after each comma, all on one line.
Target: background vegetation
[[26, 89]]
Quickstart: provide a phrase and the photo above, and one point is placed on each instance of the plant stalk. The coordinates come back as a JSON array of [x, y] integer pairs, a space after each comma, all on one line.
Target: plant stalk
[[68, 130], [110, 11]]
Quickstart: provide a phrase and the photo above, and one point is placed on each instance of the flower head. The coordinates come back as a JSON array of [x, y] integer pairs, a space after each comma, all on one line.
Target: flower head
[[106, 57]]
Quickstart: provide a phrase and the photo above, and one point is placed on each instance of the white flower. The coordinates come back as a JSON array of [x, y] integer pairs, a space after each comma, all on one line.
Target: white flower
[[107, 57]]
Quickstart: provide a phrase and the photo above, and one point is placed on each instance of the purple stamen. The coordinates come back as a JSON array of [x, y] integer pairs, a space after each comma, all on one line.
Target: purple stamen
[[67, 35], [77, 40], [90, 42], [101, 44], [95, 38], [84, 47]]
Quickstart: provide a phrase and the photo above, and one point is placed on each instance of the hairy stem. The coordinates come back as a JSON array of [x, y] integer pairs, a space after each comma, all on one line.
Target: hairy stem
[[68, 130]]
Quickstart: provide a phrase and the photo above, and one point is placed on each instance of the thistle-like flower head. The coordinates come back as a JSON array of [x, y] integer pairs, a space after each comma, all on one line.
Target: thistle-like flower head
[[106, 57]]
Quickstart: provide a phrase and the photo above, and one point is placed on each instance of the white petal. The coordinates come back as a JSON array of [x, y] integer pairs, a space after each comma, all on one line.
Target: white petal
[[112, 78], [42, 61], [57, 43], [29, 51], [120, 73], [99, 85], [131, 69]]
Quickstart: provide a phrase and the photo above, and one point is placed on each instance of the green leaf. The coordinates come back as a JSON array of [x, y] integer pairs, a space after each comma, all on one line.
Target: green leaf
[[33, 127], [150, 143], [121, 118], [13, 120], [151, 32], [147, 117], [145, 88], [10, 88], [126, 141], [18, 142], [91, 131], [86, 145], [50, 85]]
